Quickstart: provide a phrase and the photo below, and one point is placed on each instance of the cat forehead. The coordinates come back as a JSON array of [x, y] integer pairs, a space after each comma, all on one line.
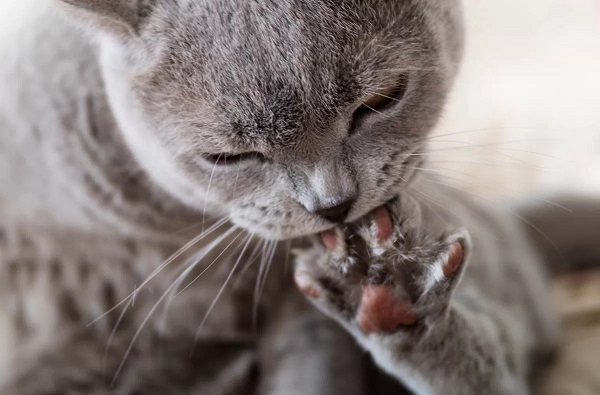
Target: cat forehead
[[266, 68], [286, 33], [274, 44]]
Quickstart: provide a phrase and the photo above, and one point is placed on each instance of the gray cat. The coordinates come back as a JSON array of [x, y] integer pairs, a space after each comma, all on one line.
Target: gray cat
[[444, 312], [129, 128]]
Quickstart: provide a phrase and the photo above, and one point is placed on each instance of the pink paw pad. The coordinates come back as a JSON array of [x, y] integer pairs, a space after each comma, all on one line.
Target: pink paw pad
[[383, 222], [330, 239], [455, 259], [381, 312]]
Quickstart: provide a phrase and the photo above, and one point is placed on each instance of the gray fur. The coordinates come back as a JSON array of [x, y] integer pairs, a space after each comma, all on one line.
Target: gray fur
[[108, 112], [486, 330], [572, 220]]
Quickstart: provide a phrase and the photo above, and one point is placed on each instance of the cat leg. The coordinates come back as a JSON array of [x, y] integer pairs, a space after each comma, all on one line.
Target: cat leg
[[83, 364], [71, 357], [396, 299], [304, 352]]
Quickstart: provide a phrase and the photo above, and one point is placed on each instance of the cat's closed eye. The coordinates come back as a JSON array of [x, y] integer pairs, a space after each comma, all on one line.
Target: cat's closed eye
[[225, 158], [378, 102]]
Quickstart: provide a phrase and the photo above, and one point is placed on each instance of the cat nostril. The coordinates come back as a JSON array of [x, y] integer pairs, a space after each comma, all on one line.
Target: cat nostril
[[337, 213]]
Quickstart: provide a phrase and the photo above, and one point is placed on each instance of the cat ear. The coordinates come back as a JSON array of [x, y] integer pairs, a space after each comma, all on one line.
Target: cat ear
[[119, 17]]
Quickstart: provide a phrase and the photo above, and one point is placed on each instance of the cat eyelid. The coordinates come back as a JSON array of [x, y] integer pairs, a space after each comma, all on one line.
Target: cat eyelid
[[379, 101], [227, 158], [383, 98]]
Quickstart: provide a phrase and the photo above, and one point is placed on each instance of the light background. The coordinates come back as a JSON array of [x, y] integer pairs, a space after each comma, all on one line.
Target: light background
[[525, 118], [530, 82]]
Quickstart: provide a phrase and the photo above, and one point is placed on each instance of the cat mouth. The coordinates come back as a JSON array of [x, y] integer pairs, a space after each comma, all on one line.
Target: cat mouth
[[371, 206], [303, 225]]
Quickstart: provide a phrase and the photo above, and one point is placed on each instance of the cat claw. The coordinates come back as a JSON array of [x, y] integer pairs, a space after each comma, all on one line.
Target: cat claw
[[331, 239], [455, 259], [383, 223]]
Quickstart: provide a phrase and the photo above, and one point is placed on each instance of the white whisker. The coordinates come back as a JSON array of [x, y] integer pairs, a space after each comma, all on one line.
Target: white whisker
[[372, 109], [237, 176], [503, 165], [490, 202], [253, 256], [269, 262], [163, 265], [518, 193], [386, 96], [159, 301], [114, 330], [216, 299], [443, 172], [499, 143], [495, 129], [497, 149], [260, 278], [208, 191], [190, 264], [440, 216], [210, 265]]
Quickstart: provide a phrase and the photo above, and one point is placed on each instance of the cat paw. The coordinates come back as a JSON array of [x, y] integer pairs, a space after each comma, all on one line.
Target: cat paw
[[382, 274]]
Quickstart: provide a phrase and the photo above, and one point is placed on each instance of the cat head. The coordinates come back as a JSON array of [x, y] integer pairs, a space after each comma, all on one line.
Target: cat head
[[286, 116]]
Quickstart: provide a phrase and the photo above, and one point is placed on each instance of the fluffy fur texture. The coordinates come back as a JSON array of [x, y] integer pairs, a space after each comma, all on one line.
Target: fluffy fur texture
[[116, 120], [476, 321]]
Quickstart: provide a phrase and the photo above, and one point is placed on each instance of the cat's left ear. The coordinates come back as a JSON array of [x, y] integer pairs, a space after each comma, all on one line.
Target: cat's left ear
[[118, 17]]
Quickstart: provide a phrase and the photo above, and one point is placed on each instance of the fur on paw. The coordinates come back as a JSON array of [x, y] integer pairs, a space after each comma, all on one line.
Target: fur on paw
[[383, 274]]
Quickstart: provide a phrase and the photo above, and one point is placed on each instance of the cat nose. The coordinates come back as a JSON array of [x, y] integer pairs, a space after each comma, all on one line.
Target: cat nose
[[337, 213]]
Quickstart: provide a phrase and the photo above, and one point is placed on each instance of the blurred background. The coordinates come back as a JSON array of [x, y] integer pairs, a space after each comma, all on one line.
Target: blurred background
[[525, 112], [524, 117]]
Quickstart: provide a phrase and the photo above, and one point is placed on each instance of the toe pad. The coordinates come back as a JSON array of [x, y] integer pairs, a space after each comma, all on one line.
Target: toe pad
[[382, 312]]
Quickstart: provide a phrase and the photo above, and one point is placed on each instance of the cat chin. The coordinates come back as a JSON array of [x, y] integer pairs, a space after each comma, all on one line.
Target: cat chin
[[287, 231]]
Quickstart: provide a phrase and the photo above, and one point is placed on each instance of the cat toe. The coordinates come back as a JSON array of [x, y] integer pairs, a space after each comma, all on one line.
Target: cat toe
[[305, 284], [454, 260], [334, 241], [383, 223]]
